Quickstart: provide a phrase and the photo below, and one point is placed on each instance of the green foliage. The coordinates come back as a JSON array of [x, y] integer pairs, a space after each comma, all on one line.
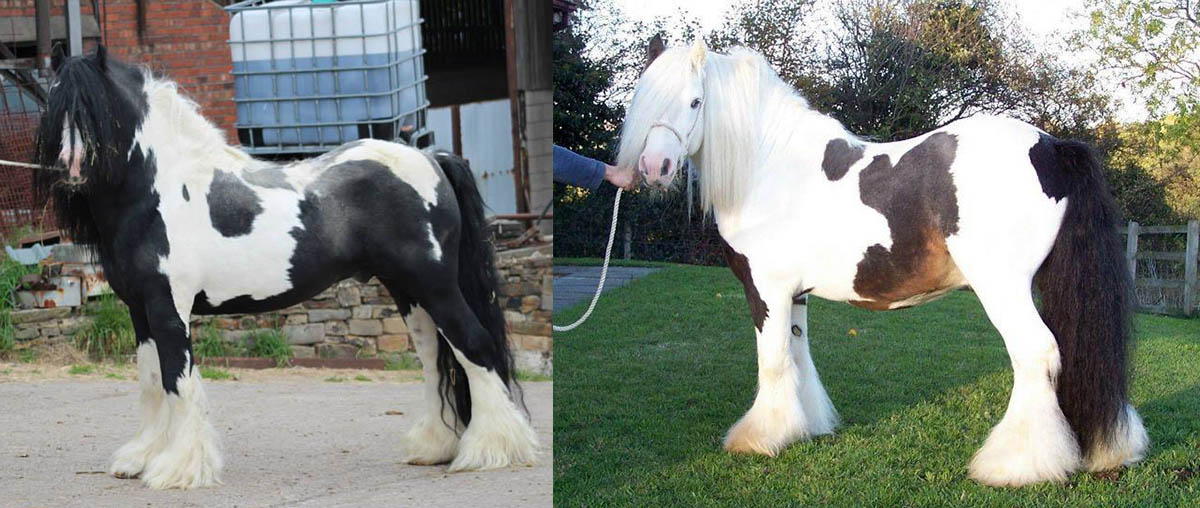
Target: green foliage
[[657, 378], [270, 343], [362, 378], [215, 374], [403, 361], [114, 375], [532, 376], [208, 342], [76, 370], [110, 334], [335, 379], [10, 276]]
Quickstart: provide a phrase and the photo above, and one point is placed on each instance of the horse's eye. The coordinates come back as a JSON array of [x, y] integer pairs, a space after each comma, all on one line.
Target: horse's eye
[[695, 103]]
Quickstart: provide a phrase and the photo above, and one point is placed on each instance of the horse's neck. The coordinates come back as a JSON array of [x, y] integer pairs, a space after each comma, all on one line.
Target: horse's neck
[[183, 142], [790, 149]]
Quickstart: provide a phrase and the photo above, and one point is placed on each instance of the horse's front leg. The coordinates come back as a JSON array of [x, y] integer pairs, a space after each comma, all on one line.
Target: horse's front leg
[[131, 459], [189, 456], [778, 416]]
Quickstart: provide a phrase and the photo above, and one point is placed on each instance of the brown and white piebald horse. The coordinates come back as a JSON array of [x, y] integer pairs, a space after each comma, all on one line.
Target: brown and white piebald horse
[[806, 207]]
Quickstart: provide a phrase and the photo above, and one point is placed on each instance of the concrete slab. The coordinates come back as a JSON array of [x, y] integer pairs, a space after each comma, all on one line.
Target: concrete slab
[[575, 284]]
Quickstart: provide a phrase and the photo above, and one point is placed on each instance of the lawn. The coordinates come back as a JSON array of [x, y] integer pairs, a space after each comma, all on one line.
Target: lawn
[[647, 388]]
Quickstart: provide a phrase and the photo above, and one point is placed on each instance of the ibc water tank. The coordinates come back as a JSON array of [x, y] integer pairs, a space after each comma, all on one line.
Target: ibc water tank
[[309, 76]]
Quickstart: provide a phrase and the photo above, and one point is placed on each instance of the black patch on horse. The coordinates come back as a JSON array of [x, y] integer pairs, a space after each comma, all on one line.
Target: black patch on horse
[[918, 198], [271, 177], [1044, 157], [232, 205], [839, 156], [741, 269], [186, 197]]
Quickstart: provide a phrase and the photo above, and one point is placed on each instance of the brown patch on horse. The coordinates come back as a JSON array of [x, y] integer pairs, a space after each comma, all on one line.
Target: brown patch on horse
[[918, 198], [741, 269], [839, 156]]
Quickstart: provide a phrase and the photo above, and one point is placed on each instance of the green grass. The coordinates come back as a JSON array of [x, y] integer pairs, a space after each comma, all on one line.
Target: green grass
[[215, 374], [403, 361], [76, 370], [336, 379], [532, 376], [648, 387], [269, 343], [10, 275], [363, 378], [110, 334], [208, 342], [114, 375]]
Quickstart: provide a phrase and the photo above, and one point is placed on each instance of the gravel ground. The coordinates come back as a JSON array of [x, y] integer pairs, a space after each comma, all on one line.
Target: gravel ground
[[291, 437]]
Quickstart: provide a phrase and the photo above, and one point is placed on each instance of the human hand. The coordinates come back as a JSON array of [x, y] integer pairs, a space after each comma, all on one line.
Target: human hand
[[623, 178]]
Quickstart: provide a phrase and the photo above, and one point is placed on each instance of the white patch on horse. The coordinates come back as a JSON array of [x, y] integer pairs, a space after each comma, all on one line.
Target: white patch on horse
[[256, 264], [192, 456], [130, 460], [431, 440], [499, 434], [409, 164], [436, 250]]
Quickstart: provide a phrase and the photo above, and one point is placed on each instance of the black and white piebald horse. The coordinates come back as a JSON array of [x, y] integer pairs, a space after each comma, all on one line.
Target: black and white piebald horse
[[185, 224], [805, 207]]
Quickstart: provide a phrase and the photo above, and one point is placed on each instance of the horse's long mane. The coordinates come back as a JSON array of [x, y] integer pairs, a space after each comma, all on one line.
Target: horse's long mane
[[738, 88], [106, 103]]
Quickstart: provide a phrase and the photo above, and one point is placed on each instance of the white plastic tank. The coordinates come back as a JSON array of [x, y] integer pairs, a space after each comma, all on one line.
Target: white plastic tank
[[355, 65]]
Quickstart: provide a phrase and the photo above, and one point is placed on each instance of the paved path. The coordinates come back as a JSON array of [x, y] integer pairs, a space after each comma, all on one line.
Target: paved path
[[574, 284], [291, 443]]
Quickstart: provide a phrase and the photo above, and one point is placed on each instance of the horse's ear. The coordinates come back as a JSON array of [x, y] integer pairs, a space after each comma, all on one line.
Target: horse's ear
[[655, 48], [58, 56], [699, 53], [101, 56]]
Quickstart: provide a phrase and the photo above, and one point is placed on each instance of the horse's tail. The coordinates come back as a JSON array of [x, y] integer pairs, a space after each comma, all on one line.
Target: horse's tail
[[1086, 292], [477, 281]]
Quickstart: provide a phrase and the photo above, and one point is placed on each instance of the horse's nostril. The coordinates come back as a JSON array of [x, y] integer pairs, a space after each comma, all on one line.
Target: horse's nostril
[[666, 166]]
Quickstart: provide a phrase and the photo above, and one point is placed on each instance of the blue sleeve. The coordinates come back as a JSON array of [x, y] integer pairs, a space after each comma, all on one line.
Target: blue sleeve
[[574, 169]]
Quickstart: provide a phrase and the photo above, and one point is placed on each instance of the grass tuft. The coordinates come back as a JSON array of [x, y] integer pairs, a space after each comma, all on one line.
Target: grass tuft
[[10, 276], [76, 370], [335, 379], [270, 343], [363, 378], [215, 374], [403, 361], [110, 335], [208, 342]]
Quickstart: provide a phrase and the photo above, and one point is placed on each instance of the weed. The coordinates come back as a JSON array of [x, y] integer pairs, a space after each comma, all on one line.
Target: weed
[[335, 379], [270, 344], [110, 334], [208, 342], [404, 361], [215, 374], [363, 378], [76, 370]]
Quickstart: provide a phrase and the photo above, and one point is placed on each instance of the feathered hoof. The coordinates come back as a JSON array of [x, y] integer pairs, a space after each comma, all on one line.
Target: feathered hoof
[[1127, 445], [1022, 454], [429, 442], [496, 444]]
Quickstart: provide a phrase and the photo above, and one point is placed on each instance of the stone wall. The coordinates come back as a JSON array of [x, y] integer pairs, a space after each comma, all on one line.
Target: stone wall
[[353, 319]]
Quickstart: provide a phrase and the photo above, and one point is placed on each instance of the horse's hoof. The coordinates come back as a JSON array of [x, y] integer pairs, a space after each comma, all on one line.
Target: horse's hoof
[[429, 442], [496, 444]]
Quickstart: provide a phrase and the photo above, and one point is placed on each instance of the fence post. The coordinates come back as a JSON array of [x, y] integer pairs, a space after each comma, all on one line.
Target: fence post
[[1189, 268], [1131, 245]]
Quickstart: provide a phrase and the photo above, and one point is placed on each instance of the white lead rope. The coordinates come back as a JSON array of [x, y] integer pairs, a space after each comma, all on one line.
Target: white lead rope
[[612, 233]]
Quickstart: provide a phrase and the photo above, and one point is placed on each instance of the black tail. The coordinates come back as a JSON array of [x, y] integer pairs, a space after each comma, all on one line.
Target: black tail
[[477, 281], [1086, 293]]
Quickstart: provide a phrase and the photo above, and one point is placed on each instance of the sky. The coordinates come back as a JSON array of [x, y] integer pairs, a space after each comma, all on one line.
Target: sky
[[1046, 20]]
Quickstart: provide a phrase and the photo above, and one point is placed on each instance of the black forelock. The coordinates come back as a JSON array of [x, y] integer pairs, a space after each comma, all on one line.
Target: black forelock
[[104, 101]]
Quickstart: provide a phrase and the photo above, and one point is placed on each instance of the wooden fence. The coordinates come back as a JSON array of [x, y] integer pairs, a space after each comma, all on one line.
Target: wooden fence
[[1174, 292]]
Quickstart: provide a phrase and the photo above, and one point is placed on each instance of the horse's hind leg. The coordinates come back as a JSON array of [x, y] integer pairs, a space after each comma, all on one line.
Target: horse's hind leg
[[189, 457], [499, 434], [1033, 441], [434, 439], [131, 459]]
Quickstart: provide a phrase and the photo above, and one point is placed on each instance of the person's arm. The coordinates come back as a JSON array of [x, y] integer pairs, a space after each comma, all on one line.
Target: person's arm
[[574, 169]]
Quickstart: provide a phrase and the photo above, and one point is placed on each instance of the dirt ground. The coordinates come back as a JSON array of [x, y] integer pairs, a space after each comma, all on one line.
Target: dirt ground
[[291, 437]]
